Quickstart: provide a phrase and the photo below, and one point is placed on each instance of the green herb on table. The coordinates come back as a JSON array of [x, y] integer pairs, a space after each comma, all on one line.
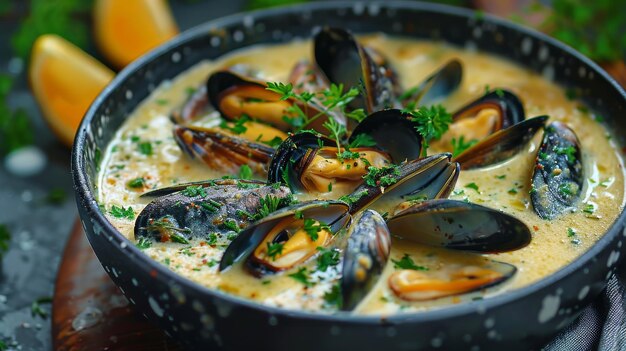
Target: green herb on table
[[56, 196], [245, 172], [36, 309], [5, 239]]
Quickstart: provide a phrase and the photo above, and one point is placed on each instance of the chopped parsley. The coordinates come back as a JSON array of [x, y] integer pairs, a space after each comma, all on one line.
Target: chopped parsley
[[274, 249], [354, 197], [347, 155], [212, 263], [231, 224], [121, 212], [334, 297], [460, 145], [302, 276], [383, 176], [177, 238], [136, 183], [502, 176], [212, 239], [193, 191], [569, 151], [512, 191], [313, 227], [145, 148], [211, 206], [406, 262], [589, 209], [431, 122], [327, 258], [571, 232], [238, 127], [472, 185], [269, 204], [143, 243], [272, 142]]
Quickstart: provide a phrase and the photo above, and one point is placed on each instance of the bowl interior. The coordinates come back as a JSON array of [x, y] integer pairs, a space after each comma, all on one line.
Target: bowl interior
[[463, 28]]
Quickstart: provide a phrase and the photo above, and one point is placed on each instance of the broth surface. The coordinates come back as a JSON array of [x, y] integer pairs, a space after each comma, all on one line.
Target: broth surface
[[504, 186]]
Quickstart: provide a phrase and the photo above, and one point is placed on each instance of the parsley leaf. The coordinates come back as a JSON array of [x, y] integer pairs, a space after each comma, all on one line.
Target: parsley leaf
[[302, 276], [193, 191], [383, 176], [143, 243], [36, 310], [327, 258], [145, 148], [431, 122], [460, 145], [472, 185], [121, 212], [238, 127], [136, 183], [406, 262], [274, 249], [334, 297], [313, 227]]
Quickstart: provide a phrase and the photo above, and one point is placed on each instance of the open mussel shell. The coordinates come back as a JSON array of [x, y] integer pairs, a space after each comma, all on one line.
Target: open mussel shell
[[460, 225], [501, 145], [308, 162], [449, 280], [393, 132], [192, 211], [426, 178], [438, 86], [344, 61], [557, 179], [197, 105], [234, 95], [365, 256], [222, 151], [508, 106], [333, 213]]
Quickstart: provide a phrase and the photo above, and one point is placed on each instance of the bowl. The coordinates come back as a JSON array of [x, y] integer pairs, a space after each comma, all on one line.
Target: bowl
[[202, 318]]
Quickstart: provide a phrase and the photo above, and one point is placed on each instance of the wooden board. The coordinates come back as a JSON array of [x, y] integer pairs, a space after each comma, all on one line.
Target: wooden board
[[83, 287]]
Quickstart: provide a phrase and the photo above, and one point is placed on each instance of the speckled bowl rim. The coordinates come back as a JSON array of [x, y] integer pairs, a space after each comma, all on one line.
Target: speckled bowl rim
[[86, 196]]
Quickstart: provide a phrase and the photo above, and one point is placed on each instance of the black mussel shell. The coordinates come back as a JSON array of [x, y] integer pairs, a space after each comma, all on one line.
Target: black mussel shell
[[437, 86], [501, 145], [508, 105], [222, 151], [333, 213], [430, 177], [393, 132], [460, 225], [344, 61], [365, 256], [192, 211], [557, 180]]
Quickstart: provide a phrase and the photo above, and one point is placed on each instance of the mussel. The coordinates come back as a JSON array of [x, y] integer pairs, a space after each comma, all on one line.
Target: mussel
[[439, 85], [309, 162], [393, 132], [501, 145], [195, 210], [427, 178], [222, 151], [557, 179], [451, 279], [496, 110], [344, 61], [287, 237], [459, 225], [306, 77], [365, 256], [235, 96]]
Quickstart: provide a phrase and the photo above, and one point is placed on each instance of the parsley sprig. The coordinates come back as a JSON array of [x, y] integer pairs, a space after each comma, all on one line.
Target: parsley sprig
[[406, 262], [430, 121]]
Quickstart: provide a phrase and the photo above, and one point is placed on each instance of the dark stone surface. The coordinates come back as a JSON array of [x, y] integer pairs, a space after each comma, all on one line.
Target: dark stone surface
[[40, 230]]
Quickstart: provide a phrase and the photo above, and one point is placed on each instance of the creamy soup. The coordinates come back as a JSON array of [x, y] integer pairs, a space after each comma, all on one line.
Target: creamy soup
[[144, 156]]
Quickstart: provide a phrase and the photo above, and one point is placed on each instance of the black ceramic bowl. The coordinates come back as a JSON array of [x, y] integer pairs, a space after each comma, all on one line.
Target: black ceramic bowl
[[201, 318]]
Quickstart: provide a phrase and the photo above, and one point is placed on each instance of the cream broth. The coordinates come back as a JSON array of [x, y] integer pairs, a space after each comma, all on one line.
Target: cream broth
[[504, 186]]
